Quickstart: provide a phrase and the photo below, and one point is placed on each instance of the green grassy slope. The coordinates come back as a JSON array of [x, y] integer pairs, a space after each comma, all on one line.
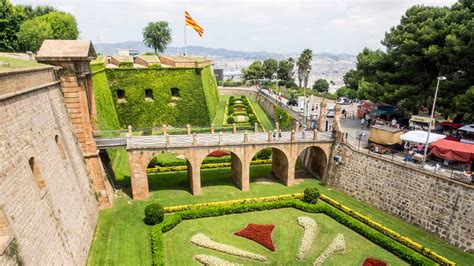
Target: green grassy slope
[[191, 107], [209, 85], [122, 238]]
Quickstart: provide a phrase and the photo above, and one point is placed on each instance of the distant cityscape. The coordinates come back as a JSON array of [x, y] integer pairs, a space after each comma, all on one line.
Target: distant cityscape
[[331, 67]]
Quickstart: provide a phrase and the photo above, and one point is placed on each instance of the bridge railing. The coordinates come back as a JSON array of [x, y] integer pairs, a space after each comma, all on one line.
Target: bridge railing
[[175, 141], [157, 131]]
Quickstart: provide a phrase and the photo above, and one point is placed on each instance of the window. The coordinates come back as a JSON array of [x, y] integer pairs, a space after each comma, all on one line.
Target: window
[[37, 174], [175, 92], [121, 96], [60, 147], [148, 94], [6, 233]]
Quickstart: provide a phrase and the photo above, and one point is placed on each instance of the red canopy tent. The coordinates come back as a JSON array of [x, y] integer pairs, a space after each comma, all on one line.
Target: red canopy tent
[[453, 150]]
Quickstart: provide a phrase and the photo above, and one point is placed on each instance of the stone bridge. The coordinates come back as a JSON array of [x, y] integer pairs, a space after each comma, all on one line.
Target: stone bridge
[[242, 147]]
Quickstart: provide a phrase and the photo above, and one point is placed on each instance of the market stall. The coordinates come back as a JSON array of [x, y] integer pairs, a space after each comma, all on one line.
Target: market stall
[[418, 136], [467, 134], [453, 150]]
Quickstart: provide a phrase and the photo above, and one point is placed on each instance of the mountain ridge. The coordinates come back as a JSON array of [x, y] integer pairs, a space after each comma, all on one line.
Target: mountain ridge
[[111, 48]]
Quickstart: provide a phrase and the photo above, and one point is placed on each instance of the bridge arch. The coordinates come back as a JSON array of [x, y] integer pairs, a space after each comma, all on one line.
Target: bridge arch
[[281, 164], [313, 159], [233, 157]]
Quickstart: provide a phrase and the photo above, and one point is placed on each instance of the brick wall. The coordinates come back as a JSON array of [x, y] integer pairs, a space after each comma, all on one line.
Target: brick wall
[[439, 205], [19, 80], [54, 225]]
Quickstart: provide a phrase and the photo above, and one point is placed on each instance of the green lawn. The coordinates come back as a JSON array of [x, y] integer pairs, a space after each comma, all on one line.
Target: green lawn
[[219, 118], [262, 116], [286, 238], [121, 237], [18, 63]]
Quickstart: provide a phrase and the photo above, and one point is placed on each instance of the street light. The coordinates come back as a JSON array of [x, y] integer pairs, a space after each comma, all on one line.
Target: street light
[[274, 76], [440, 78], [304, 93]]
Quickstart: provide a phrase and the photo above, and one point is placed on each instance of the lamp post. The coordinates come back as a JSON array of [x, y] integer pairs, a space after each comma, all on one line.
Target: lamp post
[[304, 93], [274, 76], [431, 118]]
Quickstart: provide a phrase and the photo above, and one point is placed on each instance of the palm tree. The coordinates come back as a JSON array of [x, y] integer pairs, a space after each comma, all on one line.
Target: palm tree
[[304, 66], [291, 68]]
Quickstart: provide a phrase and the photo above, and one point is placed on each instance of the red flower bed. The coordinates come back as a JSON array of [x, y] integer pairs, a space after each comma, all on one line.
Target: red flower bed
[[260, 233], [374, 262], [218, 154]]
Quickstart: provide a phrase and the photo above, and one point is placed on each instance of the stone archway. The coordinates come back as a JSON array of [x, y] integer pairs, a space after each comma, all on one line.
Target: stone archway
[[236, 167], [281, 164], [314, 160]]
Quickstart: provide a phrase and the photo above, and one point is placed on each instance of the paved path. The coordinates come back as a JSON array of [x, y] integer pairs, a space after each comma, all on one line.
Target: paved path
[[219, 139]]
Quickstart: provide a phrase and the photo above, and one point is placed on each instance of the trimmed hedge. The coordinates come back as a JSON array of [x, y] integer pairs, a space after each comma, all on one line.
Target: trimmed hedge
[[160, 169], [388, 232], [187, 212], [154, 214]]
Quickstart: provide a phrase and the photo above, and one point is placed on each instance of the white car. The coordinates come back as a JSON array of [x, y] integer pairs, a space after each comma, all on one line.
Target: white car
[[330, 111]]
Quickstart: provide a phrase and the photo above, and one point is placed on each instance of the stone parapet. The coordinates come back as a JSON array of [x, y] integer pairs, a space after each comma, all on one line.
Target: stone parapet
[[439, 205]]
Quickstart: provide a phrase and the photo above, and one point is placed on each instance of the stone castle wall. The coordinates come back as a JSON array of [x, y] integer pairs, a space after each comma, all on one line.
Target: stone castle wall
[[439, 205], [50, 209]]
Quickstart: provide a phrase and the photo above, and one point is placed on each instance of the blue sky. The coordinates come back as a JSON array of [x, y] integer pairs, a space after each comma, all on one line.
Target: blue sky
[[249, 25]]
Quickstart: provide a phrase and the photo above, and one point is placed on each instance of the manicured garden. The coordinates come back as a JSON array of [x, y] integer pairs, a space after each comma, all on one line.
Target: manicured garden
[[243, 111], [122, 237], [286, 237]]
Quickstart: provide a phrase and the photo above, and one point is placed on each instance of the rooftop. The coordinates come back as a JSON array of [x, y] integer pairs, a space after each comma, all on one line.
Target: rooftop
[[66, 49]]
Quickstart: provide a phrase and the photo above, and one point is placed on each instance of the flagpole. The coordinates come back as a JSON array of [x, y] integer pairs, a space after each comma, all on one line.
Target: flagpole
[[185, 46]]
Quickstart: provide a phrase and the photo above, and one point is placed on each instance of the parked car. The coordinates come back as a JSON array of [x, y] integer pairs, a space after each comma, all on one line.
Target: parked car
[[330, 111], [292, 102], [343, 101]]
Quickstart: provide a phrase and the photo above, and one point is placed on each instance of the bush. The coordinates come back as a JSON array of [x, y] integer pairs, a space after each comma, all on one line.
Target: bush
[[230, 120], [311, 195], [230, 110], [264, 154], [147, 131], [154, 214]]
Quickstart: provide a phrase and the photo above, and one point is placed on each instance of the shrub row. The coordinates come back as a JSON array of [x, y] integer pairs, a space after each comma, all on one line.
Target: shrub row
[[160, 169], [156, 161], [353, 220], [232, 202], [389, 233]]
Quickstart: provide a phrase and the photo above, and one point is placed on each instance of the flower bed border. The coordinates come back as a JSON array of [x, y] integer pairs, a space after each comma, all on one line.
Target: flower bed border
[[413, 252]]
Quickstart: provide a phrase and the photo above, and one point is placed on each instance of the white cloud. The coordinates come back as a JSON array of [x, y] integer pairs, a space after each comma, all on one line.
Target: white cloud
[[251, 25]]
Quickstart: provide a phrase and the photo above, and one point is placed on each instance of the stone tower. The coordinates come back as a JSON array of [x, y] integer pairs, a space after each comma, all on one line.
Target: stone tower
[[73, 58]]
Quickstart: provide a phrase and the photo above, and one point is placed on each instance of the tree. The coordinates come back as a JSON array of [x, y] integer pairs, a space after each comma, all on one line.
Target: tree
[[32, 34], [54, 25], [346, 92], [33, 12], [428, 42], [270, 67], [351, 79], [63, 25], [157, 35], [254, 72], [10, 20], [291, 68], [304, 66], [283, 70], [321, 85]]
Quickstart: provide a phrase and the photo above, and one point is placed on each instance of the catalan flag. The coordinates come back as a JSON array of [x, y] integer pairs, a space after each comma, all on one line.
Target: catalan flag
[[189, 21]]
